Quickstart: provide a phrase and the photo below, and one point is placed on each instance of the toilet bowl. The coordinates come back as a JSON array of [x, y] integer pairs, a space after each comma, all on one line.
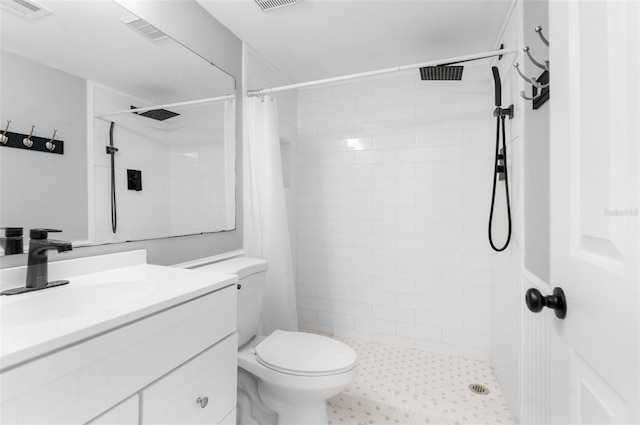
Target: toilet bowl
[[294, 372]]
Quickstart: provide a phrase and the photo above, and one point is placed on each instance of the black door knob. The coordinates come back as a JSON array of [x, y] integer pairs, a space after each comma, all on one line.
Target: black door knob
[[536, 301]]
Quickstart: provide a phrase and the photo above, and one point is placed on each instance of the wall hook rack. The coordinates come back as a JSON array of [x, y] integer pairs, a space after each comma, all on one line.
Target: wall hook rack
[[540, 84], [30, 142]]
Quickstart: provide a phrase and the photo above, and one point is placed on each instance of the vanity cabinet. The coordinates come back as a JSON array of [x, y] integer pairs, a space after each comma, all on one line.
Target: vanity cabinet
[[149, 371]]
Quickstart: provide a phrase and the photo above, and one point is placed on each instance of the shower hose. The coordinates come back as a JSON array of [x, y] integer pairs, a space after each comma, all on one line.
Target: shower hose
[[112, 151], [498, 169]]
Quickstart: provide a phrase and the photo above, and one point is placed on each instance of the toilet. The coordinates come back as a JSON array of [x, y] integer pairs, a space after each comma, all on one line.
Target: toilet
[[288, 374]]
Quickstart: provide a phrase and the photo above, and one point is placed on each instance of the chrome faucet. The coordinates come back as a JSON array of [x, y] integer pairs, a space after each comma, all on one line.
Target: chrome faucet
[[38, 262]]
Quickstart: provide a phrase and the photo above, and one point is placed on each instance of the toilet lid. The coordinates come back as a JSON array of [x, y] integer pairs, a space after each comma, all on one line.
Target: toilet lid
[[305, 354]]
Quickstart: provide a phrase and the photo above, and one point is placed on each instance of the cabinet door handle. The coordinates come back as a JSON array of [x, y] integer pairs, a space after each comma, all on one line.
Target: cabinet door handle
[[203, 401]]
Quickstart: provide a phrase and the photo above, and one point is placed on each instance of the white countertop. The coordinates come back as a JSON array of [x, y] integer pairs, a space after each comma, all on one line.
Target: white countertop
[[124, 289]]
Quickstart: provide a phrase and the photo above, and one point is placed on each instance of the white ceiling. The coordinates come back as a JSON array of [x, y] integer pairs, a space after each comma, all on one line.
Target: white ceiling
[[318, 39], [88, 39]]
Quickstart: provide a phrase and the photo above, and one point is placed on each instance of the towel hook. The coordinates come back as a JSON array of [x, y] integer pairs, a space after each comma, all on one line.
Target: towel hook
[[537, 84], [525, 97], [538, 29], [517, 67], [544, 66], [50, 145], [3, 137], [27, 140]]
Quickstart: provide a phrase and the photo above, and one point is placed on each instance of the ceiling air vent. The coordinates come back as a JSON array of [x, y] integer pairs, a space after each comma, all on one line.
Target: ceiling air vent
[[25, 9], [267, 5], [143, 28]]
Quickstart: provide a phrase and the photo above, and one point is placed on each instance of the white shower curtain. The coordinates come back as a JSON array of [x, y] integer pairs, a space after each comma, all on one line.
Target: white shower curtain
[[266, 228]]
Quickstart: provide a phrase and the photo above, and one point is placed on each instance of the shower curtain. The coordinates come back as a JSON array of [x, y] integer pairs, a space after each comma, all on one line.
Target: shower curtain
[[266, 228]]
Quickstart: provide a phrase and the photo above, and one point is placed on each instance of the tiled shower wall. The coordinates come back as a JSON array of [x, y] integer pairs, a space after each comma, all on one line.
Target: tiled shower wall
[[393, 183]]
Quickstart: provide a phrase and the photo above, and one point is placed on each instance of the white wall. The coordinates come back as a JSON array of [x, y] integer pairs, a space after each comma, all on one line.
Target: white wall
[[41, 189], [393, 184]]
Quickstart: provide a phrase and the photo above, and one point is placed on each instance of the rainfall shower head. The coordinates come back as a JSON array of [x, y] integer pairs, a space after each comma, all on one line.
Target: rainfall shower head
[[441, 73], [156, 114]]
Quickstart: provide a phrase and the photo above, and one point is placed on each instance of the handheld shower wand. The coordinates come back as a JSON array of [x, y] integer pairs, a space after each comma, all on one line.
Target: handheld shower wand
[[500, 163]]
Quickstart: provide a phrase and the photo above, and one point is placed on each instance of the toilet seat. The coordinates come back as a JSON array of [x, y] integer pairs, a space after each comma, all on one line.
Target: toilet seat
[[304, 354]]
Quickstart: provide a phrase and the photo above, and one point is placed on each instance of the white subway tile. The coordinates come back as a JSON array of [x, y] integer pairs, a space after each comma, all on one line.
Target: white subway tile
[[394, 141], [356, 334], [336, 105], [394, 284], [375, 241], [423, 333], [467, 338], [440, 290], [393, 314], [314, 303], [362, 282], [392, 227], [393, 256], [419, 302], [375, 213], [394, 83], [440, 138], [355, 308], [375, 325], [307, 315], [393, 198], [374, 297], [334, 292], [393, 340], [375, 269], [423, 154], [376, 156], [439, 319], [393, 170], [376, 184], [376, 100], [466, 276], [315, 94], [335, 319], [392, 113]]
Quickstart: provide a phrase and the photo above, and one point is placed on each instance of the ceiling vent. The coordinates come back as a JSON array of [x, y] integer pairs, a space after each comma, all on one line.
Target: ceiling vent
[[143, 28], [267, 5], [26, 9]]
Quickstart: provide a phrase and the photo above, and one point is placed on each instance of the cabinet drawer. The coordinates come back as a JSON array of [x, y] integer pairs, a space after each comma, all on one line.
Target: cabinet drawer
[[211, 375]]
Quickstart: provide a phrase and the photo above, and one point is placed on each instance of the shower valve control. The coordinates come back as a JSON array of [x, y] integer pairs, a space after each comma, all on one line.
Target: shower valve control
[[557, 302]]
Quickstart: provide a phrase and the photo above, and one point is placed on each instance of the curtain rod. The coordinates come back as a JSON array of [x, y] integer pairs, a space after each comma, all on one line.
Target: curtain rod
[[483, 55], [170, 105]]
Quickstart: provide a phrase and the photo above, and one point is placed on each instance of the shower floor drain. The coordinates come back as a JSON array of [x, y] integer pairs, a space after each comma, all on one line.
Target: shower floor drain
[[478, 389]]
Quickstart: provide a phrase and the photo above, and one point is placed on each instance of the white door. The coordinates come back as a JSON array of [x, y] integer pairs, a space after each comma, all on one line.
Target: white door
[[595, 51]]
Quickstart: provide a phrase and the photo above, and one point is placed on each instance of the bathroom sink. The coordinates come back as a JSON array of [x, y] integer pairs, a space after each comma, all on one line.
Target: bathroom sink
[[71, 301]]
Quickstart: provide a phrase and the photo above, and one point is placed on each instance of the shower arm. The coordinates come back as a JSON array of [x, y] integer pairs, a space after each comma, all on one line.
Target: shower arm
[[445, 61]]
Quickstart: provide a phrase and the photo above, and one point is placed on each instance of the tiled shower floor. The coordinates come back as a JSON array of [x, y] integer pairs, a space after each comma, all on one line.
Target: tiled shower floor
[[404, 386]]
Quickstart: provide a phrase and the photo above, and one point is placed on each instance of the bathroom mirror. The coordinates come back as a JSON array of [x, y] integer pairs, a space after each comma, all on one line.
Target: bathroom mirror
[[77, 68]]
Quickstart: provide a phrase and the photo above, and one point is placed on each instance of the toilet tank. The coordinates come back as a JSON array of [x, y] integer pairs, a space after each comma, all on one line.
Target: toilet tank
[[251, 274]]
